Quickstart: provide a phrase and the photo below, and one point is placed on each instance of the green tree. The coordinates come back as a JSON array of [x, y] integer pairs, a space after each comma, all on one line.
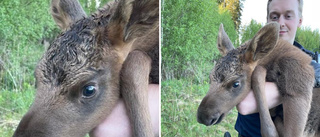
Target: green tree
[[248, 32], [309, 39], [28, 23], [234, 7]]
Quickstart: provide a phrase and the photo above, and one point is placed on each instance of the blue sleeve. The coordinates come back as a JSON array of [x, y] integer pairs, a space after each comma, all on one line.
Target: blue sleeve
[[315, 63], [316, 67]]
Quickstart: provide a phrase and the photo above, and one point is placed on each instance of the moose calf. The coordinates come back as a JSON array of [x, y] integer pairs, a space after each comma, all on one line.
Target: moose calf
[[86, 68], [264, 58]]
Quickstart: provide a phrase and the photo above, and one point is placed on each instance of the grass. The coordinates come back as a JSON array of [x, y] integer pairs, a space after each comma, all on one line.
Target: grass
[[13, 105], [17, 89], [179, 102]]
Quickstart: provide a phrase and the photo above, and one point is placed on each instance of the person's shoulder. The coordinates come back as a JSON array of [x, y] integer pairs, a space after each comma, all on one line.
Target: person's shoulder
[[298, 45], [314, 56]]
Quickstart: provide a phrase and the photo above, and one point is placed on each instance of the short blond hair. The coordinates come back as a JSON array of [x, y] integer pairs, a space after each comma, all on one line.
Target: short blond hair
[[300, 7]]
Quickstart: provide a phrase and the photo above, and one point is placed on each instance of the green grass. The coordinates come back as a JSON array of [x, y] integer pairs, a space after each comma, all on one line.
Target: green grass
[[179, 103], [13, 105]]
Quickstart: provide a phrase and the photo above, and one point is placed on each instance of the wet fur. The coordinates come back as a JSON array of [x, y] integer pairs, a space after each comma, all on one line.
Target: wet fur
[[92, 51]]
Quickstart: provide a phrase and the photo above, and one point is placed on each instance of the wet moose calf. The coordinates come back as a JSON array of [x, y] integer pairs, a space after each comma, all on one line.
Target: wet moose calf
[[264, 58], [82, 74]]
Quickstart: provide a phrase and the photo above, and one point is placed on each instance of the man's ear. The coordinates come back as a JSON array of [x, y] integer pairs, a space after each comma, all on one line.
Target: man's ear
[[300, 21], [132, 19], [224, 43], [263, 42], [66, 12]]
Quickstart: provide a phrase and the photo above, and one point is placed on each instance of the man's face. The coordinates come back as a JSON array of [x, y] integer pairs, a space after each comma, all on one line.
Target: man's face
[[286, 13]]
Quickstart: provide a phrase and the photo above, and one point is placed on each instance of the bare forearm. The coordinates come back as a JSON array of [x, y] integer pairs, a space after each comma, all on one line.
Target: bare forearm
[[249, 104]]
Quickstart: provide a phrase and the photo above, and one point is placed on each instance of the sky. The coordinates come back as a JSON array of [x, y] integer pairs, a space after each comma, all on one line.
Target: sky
[[257, 10]]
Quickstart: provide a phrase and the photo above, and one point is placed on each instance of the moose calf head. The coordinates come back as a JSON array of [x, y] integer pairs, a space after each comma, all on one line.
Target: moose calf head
[[77, 78], [230, 80]]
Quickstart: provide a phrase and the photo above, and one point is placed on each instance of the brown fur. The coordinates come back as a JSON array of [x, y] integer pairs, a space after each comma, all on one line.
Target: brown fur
[[134, 77], [64, 12], [264, 58], [90, 54]]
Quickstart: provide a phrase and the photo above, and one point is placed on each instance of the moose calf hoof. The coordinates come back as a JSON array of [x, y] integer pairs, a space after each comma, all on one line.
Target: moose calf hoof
[[227, 134]]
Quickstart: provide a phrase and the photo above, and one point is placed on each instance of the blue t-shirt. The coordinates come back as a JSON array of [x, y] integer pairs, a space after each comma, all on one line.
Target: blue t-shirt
[[249, 125]]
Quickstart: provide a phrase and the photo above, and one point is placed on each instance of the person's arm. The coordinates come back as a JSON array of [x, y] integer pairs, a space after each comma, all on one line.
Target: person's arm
[[316, 67], [315, 64], [249, 104], [117, 124]]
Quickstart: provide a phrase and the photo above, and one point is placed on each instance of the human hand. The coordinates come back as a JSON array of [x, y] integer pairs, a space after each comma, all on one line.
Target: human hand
[[118, 123]]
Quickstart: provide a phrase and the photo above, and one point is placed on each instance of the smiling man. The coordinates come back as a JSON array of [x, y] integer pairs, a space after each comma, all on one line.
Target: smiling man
[[288, 13]]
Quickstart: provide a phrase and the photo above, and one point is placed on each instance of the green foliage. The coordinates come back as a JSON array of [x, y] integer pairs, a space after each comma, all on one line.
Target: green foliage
[[22, 27], [190, 30], [91, 6], [248, 32], [308, 39], [18, 62], [234, 7], [24, 24], [179, 103], [26, 21]]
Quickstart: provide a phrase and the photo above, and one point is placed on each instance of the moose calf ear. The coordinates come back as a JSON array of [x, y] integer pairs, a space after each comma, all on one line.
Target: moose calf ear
[[66, 12], [132, 19], [224, 43], [263, 42], [144, 18]]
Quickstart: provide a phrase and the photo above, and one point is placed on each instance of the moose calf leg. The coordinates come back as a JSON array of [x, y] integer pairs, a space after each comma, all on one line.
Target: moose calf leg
[[297, 86], [134, 89], [268, 128], [295, 113]]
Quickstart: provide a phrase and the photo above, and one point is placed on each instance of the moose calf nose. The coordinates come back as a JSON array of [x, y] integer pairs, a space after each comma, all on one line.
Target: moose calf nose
[[205, 119]]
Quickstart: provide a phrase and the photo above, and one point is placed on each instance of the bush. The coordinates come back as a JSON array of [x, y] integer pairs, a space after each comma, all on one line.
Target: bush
[[190, 29], [30, 22], [24, 24], [308, 39], [248, 32], [90, 6]]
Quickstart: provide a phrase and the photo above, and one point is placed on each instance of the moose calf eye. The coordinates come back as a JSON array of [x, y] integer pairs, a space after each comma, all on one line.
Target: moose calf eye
[[236, 84], [88, 91]]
